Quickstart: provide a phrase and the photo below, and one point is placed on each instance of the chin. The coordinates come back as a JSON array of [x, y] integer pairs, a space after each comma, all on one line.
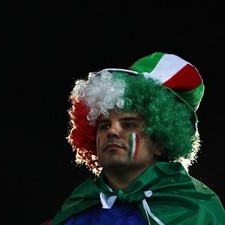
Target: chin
[[119, 164]]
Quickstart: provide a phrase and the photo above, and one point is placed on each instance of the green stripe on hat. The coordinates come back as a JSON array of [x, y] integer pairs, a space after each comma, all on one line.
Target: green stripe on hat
[[193, 97], [147, 63]]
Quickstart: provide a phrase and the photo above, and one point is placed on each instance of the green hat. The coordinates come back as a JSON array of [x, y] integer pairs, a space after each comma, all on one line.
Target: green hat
[[175, 73]]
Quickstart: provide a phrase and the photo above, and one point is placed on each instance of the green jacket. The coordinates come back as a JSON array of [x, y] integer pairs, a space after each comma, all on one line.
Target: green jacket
[[177, 198]]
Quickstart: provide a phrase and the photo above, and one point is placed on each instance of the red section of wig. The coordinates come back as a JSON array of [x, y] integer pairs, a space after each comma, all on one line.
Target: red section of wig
[[82, 135]]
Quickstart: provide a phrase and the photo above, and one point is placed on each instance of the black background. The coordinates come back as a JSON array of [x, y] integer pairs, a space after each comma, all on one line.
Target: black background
[[46, 46]]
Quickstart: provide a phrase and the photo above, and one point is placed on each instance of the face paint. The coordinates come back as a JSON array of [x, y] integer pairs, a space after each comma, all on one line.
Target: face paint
[[134, 146]]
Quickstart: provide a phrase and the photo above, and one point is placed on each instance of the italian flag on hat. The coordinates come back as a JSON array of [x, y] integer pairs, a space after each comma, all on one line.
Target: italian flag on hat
[[175, 73]]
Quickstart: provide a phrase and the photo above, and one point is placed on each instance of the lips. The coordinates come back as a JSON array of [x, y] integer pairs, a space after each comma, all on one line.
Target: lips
[[113, 146]]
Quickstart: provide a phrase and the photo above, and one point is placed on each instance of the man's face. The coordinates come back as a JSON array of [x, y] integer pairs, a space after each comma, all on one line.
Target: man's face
[[121, 142]]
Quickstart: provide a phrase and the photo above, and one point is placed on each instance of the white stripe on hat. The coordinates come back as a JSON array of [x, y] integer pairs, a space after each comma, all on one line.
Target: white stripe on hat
[[164, 70]]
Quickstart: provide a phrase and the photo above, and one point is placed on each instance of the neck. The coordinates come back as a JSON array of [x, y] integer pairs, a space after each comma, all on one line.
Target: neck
[[121, 180]]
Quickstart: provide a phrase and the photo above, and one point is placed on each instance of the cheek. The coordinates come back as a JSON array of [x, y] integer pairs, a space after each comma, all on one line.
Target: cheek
[[100, 141], [98, 149]]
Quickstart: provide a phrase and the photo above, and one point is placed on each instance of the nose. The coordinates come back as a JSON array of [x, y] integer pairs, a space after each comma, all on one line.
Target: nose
[[114, 130]]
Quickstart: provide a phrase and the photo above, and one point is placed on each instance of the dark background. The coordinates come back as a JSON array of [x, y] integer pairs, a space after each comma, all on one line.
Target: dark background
[[46, 46]]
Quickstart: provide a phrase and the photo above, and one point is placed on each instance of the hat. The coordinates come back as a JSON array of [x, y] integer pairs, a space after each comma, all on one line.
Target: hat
[[175, 73]]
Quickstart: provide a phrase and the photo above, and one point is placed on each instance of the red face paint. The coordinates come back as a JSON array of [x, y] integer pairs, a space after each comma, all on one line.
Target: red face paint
[[134, 146]]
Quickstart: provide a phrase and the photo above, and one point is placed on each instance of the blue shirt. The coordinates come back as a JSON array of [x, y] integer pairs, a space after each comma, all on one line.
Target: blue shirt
[[119, 214]]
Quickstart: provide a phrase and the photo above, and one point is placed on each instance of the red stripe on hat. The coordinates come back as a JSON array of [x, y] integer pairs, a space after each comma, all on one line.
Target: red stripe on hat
[[186, 79]]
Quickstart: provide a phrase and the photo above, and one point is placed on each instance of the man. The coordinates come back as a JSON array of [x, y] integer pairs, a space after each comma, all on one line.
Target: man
[[136, 130]]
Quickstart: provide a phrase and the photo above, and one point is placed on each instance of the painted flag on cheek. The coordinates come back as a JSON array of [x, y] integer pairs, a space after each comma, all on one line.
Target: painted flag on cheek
[[134, 146]]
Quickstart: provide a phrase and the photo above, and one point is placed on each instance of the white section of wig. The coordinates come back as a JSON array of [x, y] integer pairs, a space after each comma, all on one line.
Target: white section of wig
[[101, 92]]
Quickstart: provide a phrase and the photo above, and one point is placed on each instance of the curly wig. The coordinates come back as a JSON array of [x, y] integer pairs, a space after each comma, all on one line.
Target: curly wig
[[169, 121]]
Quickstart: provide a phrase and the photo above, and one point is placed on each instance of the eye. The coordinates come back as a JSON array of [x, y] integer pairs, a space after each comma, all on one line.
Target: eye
[[103, 126], [129, 125]]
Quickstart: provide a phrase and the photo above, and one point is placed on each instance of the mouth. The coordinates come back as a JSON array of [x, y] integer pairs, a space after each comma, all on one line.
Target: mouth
[[113, 146]]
